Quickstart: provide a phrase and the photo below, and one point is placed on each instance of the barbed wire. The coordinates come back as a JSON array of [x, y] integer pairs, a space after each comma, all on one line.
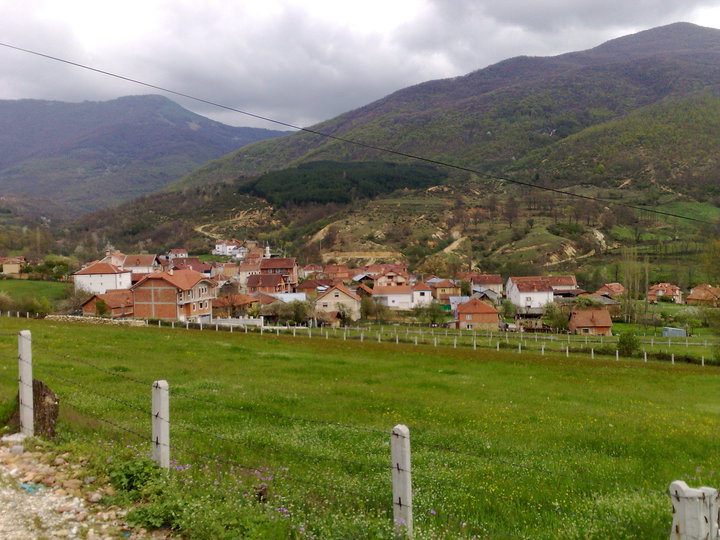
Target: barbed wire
[[84, 389], [248, 410], [93, 366], [109, 422], [497, 533], [280, 450], [531, 468]]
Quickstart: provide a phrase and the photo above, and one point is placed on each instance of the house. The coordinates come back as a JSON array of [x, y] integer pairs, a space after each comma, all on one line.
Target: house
[[141, 264], [594, 322], [12, 265], [665, 289], [613, 290], [395, 297], [613, 306], [266, 283], [193, 263], [493, 282], [313, 286], [338, 272], [244, 271], [177, 254], [224, 271], [117, 304], [486, 295], [234, 305], [442, 290], [175, 295], [227, 248], [704, 295], [531, 294], [421, 295], [309, 270], [101, 277], [477, 315], [392, 278], [339, 299], [286, 267]]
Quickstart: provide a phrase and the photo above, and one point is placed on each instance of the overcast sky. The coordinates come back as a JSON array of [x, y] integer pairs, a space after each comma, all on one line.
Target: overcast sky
[[298, 61]]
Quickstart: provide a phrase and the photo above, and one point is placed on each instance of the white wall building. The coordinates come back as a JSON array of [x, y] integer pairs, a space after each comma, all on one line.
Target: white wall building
[[396, 297], [421, 295], [102, 277]]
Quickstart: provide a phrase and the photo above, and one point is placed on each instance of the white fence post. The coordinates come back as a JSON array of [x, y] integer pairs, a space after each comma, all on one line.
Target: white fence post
[[26, 383], [695, 512], [161, 423], [401, 480]]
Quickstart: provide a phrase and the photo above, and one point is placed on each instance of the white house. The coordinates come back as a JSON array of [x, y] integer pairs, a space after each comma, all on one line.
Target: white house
[[532, 294], [228, 249], [102, 277], [396, 297], [421, 294]]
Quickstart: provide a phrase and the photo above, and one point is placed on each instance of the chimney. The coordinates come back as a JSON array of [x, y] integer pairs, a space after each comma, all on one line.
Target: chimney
[[170, 272]]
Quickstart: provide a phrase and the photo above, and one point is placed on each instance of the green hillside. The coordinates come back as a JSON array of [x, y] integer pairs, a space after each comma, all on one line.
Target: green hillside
[[491, 118]]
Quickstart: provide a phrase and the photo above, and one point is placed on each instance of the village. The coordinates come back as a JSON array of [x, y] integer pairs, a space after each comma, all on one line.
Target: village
[[250, 285]]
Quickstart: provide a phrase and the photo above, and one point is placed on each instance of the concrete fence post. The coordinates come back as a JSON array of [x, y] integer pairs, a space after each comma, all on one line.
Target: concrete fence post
[[617, 355], [542, 349], [592, 354], [644, 356], [161, 424], [25, 392], [695, 512], [401, 480], [672, 358]]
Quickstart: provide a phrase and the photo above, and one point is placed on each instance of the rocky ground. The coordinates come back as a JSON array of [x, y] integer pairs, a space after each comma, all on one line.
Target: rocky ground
[[44, 495]]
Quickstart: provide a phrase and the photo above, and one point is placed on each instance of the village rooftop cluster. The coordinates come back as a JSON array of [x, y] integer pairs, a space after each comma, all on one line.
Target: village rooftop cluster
[[253, 286]]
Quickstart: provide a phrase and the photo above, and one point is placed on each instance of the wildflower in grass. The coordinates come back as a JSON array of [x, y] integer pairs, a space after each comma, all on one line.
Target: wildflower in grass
[[433, 512]]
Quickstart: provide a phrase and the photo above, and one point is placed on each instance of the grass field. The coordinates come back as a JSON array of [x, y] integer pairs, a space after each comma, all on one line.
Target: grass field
[[504, 444], [22, 288]]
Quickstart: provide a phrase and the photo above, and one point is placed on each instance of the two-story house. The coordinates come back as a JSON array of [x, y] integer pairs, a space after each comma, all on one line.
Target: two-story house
[[530, 294], [477, 315], [176, 295], [286, 267], [339, 298]]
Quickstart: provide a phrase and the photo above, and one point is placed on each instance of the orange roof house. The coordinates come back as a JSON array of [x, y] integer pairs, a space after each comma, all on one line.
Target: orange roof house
[[118, 304], [704, 295], [266, 283], [286, 267], [477, 315], [595, 322], [443, 290], [613, 290], [176, 295], [339, 298], [665, 289]]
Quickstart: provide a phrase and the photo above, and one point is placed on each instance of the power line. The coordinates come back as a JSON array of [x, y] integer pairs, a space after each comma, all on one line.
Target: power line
[[356, 142]]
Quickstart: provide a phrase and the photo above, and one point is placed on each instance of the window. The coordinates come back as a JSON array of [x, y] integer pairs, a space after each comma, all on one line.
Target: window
[[193, 307], [468, 317], [468, 326], [422, 293], [585, 330], [337, 295], [325, 304]]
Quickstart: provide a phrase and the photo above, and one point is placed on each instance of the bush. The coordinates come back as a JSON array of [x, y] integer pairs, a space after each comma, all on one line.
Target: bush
[[628, 344]]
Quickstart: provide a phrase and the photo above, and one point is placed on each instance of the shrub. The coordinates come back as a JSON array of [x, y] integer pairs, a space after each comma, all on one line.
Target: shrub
[[628, 344]]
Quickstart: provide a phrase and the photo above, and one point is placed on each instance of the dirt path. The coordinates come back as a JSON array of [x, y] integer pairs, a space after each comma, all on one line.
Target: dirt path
[[44, 496]]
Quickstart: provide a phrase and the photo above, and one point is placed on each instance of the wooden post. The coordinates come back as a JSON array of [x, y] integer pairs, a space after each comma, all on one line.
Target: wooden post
[[161, 423], [401, 480], [26, 383], [695, 512]]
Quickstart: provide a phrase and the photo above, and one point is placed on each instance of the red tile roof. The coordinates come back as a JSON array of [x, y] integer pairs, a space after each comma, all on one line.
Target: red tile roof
[[140, 260], [278, 262], [475, 305], [115, 298], [181, 279], [587, 318], [342, 288], [392, 289], [265, 280], [421, 286], [100, 268]]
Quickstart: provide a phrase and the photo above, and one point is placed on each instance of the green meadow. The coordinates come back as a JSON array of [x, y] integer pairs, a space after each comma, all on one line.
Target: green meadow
[[20, 288], [504, 444]]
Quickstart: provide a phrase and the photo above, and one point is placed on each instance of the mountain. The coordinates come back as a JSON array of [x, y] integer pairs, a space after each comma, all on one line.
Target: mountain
[[77, 157], [490, 118], [634, 120]]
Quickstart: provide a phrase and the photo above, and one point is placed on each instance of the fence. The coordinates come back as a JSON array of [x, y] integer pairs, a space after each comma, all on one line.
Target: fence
[[695, 512], [653, 347]]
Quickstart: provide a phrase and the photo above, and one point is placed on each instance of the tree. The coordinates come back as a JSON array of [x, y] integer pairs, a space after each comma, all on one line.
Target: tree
[[101, 308], [510, 210], [556, 317]]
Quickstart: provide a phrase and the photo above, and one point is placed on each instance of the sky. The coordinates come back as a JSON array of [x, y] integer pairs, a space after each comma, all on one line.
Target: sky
[[297, 61]]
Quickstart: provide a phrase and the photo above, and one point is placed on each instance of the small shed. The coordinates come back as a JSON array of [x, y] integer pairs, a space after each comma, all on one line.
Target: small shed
[[594, 322], [669, 331]]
